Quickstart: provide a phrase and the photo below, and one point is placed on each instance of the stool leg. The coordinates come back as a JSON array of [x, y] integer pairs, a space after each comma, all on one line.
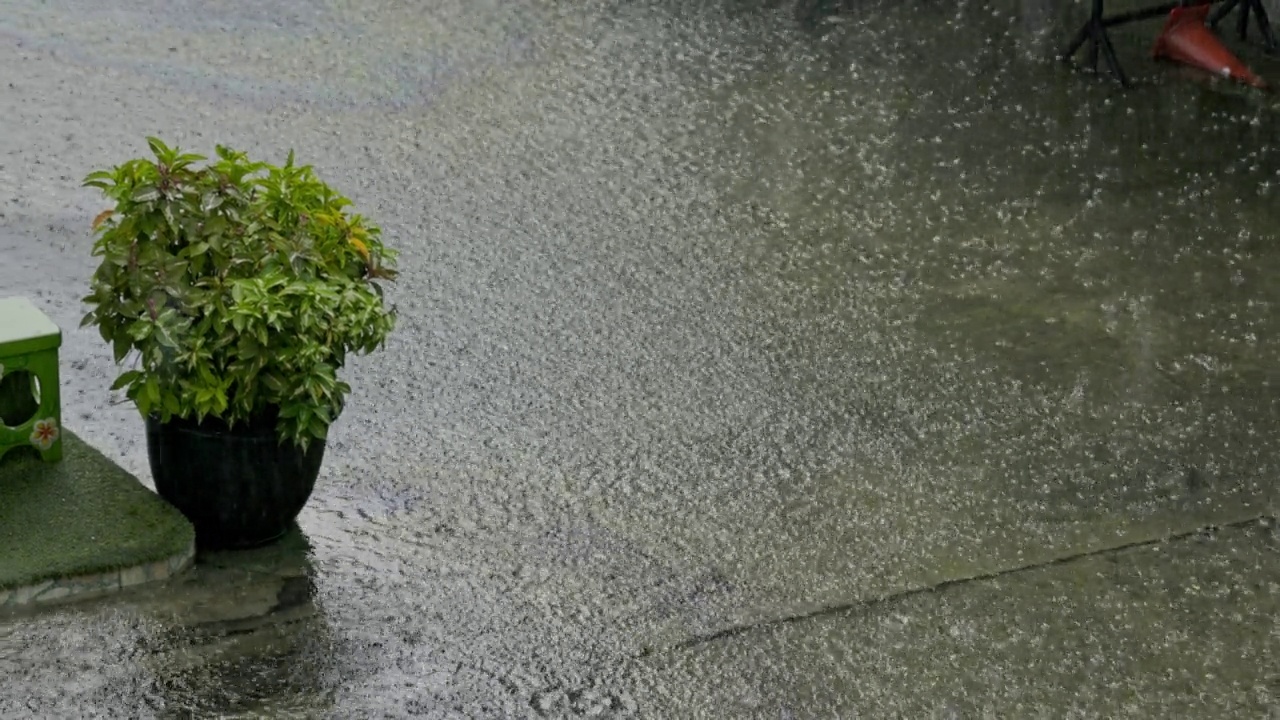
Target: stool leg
[[46, 435]]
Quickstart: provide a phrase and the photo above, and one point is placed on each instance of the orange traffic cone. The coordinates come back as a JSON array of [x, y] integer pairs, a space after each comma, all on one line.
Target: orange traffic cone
[[1187, 40]]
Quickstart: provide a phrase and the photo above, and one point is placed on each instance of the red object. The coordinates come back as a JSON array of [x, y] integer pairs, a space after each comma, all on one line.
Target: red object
[[1186, 39]]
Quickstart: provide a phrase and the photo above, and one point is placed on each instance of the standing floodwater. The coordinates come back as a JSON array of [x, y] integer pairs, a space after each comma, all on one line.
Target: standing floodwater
[[710, 319]]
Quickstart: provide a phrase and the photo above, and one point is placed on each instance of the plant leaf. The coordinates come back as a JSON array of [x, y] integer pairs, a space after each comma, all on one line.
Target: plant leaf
[[157, 147], [99, 179], [145, 193], [120, 347], [125, 379]]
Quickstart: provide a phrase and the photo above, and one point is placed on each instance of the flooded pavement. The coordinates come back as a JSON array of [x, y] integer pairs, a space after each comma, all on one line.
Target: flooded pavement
[[712, 317], [1184, 629]]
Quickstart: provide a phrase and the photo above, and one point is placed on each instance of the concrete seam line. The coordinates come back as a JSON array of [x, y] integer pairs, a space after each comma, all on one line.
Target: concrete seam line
[[869, 603]]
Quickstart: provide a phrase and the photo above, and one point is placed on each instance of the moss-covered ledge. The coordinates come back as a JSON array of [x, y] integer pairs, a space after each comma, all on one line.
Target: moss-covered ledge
[[82, 527]]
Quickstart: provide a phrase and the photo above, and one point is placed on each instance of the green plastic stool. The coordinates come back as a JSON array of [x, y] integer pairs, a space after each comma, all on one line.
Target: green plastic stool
[[29, 341]]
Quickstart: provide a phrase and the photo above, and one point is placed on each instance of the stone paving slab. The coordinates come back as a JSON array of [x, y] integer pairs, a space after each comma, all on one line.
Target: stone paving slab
[[1183, 628], [81, 528]]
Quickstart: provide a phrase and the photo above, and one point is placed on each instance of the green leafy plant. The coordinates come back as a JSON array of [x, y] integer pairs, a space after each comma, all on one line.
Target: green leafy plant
[[238, 288]]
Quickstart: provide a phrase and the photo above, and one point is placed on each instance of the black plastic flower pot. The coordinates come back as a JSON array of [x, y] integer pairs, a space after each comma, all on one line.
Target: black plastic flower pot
[[240, 487]]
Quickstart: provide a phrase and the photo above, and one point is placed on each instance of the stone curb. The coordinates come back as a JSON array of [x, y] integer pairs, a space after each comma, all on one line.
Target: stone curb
[[93, 585]]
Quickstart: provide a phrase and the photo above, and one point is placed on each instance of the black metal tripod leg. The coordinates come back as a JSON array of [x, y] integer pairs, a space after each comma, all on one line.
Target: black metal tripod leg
[[1109, 53], [1089, 34], [1076, 43], [1095, 33], [1246, 7], [1264, 27], [1223, 10]]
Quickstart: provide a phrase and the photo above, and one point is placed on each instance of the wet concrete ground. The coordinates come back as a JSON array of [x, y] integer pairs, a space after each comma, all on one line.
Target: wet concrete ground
[[712, 320]]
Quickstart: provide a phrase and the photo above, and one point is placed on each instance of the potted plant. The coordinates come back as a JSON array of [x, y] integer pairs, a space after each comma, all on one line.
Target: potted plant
[[236, 289]]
